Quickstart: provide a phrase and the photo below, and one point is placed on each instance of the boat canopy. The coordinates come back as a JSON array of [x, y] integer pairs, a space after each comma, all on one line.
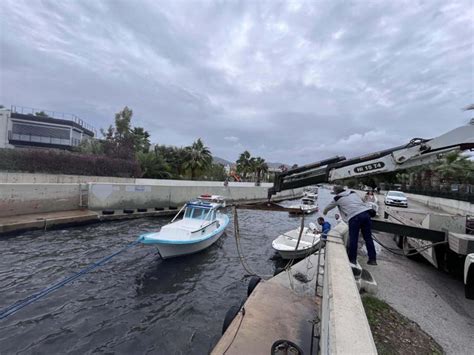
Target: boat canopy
[[200, 212]]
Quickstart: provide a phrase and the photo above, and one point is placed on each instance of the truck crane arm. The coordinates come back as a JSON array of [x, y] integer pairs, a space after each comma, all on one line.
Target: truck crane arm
[[417, 152]]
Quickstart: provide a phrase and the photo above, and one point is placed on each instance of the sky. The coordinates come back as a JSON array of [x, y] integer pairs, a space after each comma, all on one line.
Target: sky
[[291, 81]]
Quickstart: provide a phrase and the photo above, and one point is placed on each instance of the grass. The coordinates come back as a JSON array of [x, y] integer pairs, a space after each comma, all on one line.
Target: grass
[[394, 333]]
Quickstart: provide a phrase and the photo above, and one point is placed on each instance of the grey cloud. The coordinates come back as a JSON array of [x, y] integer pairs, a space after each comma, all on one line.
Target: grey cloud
[[291, 82]]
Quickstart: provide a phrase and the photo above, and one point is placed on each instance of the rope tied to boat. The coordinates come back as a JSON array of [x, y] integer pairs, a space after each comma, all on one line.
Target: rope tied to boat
[[8, 311]]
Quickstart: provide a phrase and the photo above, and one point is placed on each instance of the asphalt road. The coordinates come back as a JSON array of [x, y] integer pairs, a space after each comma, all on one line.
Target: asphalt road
[[431, 298]]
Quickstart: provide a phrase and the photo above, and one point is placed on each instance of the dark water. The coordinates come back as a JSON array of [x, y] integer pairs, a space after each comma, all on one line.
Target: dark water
[[136, 303]]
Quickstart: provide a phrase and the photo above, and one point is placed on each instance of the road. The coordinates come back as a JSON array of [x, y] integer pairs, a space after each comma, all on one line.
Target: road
[[431, 298]]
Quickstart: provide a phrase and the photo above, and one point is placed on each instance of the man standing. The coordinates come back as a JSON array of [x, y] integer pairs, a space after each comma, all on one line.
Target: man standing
[[355, 212], [325, 228]]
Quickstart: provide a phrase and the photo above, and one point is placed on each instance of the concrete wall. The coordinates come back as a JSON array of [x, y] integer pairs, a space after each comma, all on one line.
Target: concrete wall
[[344, 325], [17, 199], [118, 196], [447, 205], [38, 178]]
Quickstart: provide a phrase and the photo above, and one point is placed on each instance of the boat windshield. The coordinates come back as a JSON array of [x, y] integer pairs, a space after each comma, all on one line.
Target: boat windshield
[[200, 213]]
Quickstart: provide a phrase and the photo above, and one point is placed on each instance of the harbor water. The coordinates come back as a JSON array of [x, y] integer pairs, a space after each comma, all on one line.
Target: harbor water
[[137, 302]]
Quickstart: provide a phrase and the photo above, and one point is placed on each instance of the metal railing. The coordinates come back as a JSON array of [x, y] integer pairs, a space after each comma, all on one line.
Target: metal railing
[[53, 114], [33, 138]]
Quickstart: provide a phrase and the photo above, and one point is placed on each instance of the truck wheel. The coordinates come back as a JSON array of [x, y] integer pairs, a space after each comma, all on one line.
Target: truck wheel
[[469, 286]]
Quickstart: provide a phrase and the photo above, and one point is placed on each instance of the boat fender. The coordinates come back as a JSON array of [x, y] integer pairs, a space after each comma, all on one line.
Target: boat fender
[[159, 208], [128, 210], [108, 212], [172, 208], [278, 270], [229, 317], [254, 281], [142, 209], [283, 347]]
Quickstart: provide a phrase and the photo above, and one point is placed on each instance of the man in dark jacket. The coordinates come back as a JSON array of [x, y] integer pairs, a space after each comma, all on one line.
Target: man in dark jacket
[[356, 213]]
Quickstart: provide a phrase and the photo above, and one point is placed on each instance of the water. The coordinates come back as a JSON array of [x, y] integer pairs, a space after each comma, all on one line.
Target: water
[[136, 303]]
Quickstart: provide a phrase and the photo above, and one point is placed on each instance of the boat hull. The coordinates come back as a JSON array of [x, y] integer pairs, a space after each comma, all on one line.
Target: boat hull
[[286, 243], [171, 248], [298, 254], [175, 250]]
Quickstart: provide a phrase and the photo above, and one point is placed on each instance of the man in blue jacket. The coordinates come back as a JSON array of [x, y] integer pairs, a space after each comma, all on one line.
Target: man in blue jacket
[[325, 228]]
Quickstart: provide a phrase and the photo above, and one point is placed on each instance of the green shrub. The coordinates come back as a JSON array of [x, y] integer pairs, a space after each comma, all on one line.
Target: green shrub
[[65, 162]]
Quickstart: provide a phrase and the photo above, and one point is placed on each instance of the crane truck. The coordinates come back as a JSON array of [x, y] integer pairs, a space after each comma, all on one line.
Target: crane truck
[[451, 248]]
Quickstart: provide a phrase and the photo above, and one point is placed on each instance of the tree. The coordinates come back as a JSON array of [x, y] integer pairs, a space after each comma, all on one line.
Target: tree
[[123, 141], [41, 114], [175, 157], [216, 172], [198, 158], [259, 166], [244, 165], [455, 167], [141, 139], [91, 146], [153, 165]]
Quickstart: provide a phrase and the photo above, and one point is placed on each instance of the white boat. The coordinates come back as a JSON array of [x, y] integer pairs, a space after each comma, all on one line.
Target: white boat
[[285, 244], [201, 226], [308, 205]]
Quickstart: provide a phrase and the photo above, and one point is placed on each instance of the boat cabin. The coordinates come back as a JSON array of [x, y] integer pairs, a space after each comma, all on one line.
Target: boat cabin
[[201, 211]]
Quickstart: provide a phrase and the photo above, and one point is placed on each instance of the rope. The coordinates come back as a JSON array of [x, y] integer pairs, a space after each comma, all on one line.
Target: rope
[[237, 242], [46, 291], [417, 251]]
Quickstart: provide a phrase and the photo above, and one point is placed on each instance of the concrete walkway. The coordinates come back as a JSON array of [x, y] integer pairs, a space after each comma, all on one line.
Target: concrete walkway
[[21, 223], [48, 220]]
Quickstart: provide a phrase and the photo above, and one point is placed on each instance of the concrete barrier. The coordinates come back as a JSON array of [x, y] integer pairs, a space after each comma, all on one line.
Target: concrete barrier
[[18, 199], [445, 204], [173, 193], [344, 325]]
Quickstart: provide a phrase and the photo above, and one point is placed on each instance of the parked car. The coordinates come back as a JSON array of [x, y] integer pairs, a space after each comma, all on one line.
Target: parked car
[[396, 198]]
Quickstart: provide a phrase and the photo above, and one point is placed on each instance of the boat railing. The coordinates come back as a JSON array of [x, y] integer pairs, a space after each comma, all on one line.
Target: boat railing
[[177, 214], [204, 227]]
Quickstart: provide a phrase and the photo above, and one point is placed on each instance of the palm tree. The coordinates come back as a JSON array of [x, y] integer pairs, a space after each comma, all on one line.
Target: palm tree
[[455, 167], [198, 158], [153, 165], [244, 165], [259, 166]]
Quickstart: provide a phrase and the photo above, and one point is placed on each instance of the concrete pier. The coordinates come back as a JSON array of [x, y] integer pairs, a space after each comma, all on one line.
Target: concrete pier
[[284, 307]]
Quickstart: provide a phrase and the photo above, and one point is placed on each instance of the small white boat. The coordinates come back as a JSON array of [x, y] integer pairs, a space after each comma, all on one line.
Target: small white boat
[[201, 226], [308, 205], [285, 244]]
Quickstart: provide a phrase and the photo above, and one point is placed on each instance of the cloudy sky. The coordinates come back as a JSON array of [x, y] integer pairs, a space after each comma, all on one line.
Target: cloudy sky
[[292, 81]]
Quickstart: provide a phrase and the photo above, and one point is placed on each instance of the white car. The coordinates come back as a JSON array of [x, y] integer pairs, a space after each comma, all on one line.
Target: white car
[[396, 198]]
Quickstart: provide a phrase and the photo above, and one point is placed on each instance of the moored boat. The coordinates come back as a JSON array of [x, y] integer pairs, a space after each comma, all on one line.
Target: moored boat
[[308, 205], [286, 243], [201, 226]]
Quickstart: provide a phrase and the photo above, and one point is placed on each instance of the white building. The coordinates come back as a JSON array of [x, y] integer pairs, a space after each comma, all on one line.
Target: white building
[[21, 127]]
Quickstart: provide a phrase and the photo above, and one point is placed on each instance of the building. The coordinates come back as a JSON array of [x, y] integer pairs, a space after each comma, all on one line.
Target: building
[[29, 127]]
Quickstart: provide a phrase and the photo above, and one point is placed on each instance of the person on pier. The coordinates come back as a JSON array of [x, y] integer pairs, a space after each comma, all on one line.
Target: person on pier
[[356, 213]]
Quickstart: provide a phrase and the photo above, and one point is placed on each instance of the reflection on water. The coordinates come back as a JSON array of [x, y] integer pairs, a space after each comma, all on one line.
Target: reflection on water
[[137, 303]]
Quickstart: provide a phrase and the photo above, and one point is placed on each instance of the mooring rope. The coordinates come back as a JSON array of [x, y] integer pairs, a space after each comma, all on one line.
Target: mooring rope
[[4, 313]]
